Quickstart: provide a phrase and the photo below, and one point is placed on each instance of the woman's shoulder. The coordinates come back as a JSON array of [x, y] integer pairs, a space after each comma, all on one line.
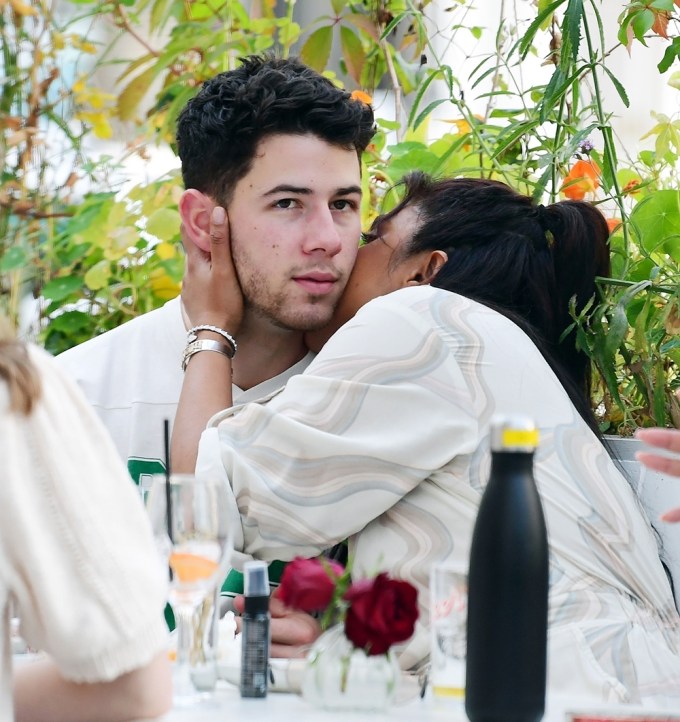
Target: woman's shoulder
[[435, 306]]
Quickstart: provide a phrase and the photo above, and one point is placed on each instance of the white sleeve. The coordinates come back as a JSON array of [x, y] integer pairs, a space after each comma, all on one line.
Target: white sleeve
[[76, 548], [382, 407]]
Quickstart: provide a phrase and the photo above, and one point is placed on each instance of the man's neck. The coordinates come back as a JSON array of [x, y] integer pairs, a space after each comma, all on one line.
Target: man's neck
[[265, 351]]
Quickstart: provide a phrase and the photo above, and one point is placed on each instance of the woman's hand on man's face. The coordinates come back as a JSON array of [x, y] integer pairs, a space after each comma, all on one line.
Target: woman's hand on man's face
[[211, 292]]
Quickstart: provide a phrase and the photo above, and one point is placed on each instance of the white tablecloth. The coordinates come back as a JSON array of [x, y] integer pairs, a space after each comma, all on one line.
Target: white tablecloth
[[284, 707], [281, 707]]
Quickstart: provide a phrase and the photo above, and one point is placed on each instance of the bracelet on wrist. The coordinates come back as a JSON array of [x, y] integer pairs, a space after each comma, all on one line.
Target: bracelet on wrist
[[205, 344], [191, 335]]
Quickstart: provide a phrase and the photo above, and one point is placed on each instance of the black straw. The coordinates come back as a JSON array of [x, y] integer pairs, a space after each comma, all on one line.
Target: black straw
[[168, 496]]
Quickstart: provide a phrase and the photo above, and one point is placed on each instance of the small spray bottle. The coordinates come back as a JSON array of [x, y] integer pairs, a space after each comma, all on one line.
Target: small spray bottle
[[255, 630]]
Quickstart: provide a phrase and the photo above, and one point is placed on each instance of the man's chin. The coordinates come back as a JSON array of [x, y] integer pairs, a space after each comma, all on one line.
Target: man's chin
[[303, 321]]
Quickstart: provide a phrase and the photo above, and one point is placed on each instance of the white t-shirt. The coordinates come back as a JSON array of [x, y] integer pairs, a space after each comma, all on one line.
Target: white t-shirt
[[77, 557], [132, 376]]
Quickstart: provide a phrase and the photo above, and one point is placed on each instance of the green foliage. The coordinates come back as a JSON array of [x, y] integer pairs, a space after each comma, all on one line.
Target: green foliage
[[96, 257]]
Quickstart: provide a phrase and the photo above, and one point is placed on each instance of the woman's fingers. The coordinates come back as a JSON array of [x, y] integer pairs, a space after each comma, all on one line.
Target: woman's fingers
[[668, 439], [661, 438]]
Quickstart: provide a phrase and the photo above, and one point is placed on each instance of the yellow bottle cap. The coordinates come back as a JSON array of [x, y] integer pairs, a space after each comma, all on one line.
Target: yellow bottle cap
[[513, 433]]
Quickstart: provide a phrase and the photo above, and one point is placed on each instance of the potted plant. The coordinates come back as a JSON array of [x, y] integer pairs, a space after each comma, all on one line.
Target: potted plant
[[96, 257]]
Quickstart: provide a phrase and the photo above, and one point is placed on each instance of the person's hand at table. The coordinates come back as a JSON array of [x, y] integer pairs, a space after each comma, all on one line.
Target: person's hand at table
[[291, 631]]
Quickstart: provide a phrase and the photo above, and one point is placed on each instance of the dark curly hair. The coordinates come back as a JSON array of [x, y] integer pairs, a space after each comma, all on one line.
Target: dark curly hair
[[527, 261], [219, 129]]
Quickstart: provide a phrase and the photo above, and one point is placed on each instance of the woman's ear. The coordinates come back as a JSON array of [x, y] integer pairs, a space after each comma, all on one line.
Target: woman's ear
[[426, 267], [194, 210]]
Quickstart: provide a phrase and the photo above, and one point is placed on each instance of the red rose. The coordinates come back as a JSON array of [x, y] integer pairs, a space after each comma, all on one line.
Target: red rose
[[308, 584], [382, 611]]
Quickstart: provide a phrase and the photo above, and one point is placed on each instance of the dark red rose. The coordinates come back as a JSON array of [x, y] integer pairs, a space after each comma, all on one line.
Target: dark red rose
[[308, 584], [382, 611]]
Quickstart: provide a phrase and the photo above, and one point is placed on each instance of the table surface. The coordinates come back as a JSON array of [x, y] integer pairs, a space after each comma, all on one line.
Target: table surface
[[284, 707]]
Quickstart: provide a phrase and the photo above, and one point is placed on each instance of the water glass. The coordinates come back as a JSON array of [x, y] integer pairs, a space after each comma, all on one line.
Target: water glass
[[189, 516], [205, 648], [448, 619]]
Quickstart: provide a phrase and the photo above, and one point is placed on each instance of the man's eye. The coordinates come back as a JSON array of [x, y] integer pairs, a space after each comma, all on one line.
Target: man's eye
[[343, 204], [285, 203]]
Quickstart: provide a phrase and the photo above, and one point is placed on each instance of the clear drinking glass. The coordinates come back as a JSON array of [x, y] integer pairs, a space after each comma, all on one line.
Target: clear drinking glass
[[448, 620], [194, 541]]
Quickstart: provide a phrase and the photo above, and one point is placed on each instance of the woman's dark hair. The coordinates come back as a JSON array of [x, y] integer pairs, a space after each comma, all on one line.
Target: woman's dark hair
[[219, 129], [525, 261]]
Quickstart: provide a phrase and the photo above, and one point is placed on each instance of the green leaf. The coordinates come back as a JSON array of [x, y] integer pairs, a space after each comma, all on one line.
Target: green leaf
[[420, 158], [98, 276], [317, 48], [657, 222], [71, 322], [422, 88], [571, 27], [556, 86], [164, 224], [618, 327], [672, 52], [476, 32], [528, 37], [659, 391], [352, 52], [430, 107], [13, 258], [289, 33], [648, 157], [393, 24], [662, 5], [60, 288], [388, 124], [134, 91], [200, 11], [338, 6], [160, 13], [619, 88], [642, 24]]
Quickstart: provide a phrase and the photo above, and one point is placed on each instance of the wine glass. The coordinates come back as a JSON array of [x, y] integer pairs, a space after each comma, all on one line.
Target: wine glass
[[193, 540]]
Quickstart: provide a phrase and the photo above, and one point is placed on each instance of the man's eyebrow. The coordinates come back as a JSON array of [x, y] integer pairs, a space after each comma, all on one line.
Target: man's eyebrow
[[348, 191], [297, 190]]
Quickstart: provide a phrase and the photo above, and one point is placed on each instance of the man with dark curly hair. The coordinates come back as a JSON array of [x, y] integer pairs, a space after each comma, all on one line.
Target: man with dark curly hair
[[279, 146]]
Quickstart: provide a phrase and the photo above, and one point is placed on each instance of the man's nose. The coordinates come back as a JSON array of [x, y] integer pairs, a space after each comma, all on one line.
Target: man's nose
[[322, 233]]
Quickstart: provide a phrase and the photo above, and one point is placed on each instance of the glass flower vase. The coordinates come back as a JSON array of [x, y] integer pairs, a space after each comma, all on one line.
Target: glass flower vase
[[340, 677]]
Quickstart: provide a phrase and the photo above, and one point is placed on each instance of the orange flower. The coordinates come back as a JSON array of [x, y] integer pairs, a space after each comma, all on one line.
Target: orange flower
[[633, 186], [584, 177], [613, 224], [463, 125], [360, 95]]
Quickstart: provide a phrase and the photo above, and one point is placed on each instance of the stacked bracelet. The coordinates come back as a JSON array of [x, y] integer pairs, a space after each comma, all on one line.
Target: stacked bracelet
[[205, 344], [191, 336]]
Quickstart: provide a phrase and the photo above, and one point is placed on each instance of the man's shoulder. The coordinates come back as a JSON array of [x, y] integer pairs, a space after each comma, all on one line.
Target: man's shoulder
[[163, 327]]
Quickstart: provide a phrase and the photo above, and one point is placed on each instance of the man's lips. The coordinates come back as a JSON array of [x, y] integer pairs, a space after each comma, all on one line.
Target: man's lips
[[317, 284]]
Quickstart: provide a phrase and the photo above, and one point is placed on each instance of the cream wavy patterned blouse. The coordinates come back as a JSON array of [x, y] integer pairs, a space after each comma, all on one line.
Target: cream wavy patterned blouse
[[384, 440]]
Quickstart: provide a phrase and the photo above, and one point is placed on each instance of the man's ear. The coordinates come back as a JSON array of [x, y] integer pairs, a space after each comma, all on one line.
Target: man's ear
[[426, 267], [194, 210]]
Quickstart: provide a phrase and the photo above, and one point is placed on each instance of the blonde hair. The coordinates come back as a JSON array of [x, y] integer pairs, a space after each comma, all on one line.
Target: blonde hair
[[16, 369]]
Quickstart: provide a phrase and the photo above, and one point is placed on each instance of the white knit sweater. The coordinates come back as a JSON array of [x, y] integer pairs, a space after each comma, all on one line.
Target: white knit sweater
[[76, 551]]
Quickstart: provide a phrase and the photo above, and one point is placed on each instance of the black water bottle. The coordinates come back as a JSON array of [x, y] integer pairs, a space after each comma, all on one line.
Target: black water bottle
[[508, 585]]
